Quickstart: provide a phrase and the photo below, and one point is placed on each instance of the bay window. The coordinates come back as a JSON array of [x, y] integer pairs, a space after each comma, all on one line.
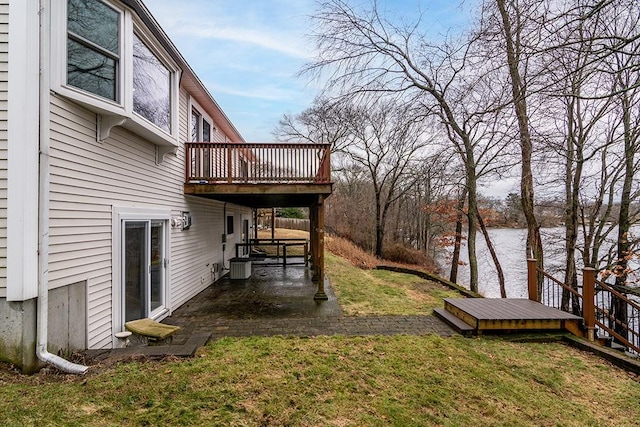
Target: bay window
[[104, 58]]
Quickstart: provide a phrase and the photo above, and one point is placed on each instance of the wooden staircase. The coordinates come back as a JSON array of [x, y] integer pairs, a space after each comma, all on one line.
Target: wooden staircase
[[476, 316]]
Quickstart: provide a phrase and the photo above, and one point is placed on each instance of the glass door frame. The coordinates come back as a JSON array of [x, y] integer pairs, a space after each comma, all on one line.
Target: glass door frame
[[119, 218]]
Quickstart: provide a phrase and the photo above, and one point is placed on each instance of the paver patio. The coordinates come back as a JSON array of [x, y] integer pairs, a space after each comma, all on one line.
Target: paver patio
[[275, 300]]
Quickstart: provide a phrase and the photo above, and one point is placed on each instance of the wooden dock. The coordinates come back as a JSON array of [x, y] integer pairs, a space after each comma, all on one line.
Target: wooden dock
[[475, 316]]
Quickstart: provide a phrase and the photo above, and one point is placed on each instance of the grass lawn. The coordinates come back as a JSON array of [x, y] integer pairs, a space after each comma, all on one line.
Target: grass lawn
[[366, 292], [340, 381], [380, 292], [337, 381]]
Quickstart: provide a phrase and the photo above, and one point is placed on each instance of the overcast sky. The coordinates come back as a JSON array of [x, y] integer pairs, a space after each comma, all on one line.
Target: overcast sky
[[247, 52]]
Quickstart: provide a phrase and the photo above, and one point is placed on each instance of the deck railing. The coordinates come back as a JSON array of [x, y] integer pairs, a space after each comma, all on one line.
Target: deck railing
[[257, 163], [607, 312]]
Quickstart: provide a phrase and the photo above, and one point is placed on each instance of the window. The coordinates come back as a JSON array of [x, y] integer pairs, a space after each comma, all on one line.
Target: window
[[93, 48], [106, 59], [195, 125], [151, 86], [200, 127], [229, 224], [206, 131]]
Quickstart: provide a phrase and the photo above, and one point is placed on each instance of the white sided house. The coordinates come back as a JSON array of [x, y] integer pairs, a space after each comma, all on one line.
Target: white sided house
[[124, 188]]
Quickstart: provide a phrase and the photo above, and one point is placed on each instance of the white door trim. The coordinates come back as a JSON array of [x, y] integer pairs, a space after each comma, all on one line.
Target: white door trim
[[120, 214]]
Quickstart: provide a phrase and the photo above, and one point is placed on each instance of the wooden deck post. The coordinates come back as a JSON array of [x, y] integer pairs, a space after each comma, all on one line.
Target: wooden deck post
[[532, 279], [588, 301], [313, 239], [284, 254], [273, 223], [320, 293], [255, 224]]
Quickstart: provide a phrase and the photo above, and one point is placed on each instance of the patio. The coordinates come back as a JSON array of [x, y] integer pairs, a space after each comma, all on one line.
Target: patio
[[275, 300], [272, 292]]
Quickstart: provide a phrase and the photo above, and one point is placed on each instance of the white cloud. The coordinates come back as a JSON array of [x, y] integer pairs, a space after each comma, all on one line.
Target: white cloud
[[282, 43]]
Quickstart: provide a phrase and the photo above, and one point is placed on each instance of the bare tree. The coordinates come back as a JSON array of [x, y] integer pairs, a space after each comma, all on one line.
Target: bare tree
[[386, 143], [325, 121], [366, 54], [511, 27]]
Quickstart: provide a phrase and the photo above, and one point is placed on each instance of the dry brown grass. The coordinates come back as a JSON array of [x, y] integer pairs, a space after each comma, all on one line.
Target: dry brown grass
[[348, 250]]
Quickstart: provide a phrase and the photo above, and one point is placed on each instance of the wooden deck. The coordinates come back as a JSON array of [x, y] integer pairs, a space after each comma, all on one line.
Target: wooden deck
[[508, 315]]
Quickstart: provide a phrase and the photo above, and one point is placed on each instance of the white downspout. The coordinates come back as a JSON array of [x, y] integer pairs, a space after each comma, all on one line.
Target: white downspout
[[43, 205]]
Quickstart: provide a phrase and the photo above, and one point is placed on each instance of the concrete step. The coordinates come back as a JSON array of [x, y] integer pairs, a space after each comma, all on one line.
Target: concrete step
[[458, 324]]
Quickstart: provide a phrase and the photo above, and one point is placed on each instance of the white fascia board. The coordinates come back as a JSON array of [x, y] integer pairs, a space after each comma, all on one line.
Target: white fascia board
[[23, 147]]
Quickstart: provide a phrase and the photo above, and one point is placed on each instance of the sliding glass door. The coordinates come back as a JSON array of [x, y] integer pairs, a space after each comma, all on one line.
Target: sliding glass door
[[144, 268]]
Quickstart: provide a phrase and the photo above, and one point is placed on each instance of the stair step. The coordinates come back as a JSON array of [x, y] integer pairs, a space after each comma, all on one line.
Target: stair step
[[456, 323], [616, 346]]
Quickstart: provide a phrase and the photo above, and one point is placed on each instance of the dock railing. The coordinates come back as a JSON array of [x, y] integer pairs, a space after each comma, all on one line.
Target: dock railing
[[607, 312], [257, 163]]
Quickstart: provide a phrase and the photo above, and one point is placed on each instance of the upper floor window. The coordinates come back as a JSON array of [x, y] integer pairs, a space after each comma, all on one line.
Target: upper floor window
[[105, 58], [206, 130], [195, 125], [151, 86], [93, 47], [200, 127]]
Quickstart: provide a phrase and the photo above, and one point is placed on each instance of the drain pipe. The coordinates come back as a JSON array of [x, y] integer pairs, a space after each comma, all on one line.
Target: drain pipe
[[43, 209]]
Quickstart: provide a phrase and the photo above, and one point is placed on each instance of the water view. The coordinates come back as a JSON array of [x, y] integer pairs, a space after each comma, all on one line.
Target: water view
[[509, 244]]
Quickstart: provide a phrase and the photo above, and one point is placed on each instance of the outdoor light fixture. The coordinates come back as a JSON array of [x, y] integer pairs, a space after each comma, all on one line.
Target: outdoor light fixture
[[186, 220]]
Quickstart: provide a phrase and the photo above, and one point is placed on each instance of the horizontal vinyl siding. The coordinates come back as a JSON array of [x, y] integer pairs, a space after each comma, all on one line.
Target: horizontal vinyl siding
[[88, 178], [4, 66]]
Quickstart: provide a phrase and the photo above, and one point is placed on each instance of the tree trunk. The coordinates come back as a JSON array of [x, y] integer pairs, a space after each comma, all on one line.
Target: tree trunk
[[620, 306], [534, 241], [472, 215], [494, 256], [453, 275], [575, 157], [379, 234]]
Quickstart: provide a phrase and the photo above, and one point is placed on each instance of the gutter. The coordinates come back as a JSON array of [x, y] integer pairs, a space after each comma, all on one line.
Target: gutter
[[43, 206]]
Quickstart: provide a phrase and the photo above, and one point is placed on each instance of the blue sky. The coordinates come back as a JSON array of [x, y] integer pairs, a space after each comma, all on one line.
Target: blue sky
[[247, 52]]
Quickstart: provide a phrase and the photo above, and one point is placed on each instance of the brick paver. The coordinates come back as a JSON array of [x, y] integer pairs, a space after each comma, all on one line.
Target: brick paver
[[349, 326]]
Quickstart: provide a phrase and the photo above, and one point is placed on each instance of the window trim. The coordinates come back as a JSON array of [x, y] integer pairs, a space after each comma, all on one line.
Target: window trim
[[116, 113], [193, 105]]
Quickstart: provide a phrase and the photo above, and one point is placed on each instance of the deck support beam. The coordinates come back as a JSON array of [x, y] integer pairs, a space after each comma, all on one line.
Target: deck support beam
[[255, 224], [312, 241], [318, 265], [273, 223]]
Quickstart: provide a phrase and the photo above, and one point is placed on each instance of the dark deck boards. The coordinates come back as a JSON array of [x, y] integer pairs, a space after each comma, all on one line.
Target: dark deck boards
[[508, 309]]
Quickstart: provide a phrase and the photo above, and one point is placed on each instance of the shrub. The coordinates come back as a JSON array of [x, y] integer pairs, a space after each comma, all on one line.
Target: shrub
[[291, 213], [403, 255]]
